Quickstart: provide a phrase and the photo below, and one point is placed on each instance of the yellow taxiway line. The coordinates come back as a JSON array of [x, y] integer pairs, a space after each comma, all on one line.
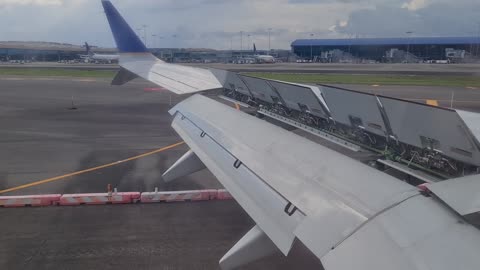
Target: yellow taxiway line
[[48, 180]]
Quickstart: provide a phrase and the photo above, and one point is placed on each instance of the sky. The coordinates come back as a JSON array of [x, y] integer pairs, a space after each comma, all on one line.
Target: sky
[[218, 24]]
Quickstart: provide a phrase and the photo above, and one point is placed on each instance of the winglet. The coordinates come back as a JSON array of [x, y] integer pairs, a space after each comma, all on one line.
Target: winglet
[[126, 39]]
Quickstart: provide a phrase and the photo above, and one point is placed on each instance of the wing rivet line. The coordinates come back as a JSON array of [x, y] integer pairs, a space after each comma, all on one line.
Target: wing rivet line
[[237, 164], [289, 211], [203, 134]]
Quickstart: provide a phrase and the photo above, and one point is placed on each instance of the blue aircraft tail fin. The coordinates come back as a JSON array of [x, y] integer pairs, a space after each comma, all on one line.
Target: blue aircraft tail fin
[[126, 39], [88, 49]]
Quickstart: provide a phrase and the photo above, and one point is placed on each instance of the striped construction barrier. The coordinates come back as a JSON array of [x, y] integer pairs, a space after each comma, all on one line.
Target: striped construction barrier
[[178, 196], [30, 200], [223, 194], [114, 198], [99, 198]]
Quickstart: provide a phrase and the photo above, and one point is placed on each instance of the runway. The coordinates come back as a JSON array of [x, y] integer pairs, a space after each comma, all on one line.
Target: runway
[[41, 137]]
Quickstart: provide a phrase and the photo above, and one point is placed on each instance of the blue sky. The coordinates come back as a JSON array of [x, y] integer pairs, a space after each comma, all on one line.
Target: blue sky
[[217, 23]]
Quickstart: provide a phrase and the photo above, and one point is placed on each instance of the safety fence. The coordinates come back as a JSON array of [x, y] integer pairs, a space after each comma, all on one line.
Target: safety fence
[[114, 197]]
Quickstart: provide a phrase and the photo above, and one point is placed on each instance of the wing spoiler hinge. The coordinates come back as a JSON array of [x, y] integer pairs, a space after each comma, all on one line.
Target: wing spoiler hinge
[[289, 210], [237, 164]]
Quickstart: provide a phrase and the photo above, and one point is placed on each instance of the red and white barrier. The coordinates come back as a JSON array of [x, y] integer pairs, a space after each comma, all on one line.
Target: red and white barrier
[[114, 198], [223, 194], [31, 200], [99, 198], [178, 196]]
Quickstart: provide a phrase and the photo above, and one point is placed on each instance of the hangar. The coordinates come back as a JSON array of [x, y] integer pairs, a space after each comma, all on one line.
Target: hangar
[[410, 49]]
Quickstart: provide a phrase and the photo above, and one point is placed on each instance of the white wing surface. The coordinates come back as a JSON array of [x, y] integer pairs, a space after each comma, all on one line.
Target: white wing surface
[[346, 213]]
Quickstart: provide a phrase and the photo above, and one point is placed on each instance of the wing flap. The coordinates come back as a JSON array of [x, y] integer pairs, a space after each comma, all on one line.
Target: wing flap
[[263, 204], [462, 195]]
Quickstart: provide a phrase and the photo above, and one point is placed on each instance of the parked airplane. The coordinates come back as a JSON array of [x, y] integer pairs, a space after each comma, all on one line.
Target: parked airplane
[[262, 59], [95, 57], [348, 214]]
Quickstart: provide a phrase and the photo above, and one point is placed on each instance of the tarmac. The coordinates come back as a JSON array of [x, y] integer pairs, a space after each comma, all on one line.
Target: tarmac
[[43, 137]]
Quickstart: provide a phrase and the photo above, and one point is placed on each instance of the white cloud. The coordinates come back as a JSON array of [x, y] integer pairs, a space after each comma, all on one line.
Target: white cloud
[[217, 23], [30, 2], [415, 4]]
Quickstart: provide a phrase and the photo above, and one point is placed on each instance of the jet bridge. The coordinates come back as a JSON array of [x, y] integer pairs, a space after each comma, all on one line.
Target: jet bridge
[[438, 141]]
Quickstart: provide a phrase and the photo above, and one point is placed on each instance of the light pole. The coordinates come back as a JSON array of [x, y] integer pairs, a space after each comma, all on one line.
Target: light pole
[[145, 34], [408, 44], [144, 28], [249, 42], [174, 36], [154, 39], [478, 41], [311, 47], [269, 44], [241, 44], [139, 34]]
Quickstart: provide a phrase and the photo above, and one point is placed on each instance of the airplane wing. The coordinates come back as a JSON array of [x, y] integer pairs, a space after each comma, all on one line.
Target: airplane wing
[[135, 58], [349, 215]]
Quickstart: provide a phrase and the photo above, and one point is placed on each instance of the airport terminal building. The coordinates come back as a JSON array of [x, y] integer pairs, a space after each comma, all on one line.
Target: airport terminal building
[[53, 52], [43, 51], [408, 49]]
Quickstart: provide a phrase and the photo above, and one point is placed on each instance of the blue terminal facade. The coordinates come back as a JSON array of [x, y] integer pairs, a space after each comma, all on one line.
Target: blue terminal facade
[[425, 48]]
